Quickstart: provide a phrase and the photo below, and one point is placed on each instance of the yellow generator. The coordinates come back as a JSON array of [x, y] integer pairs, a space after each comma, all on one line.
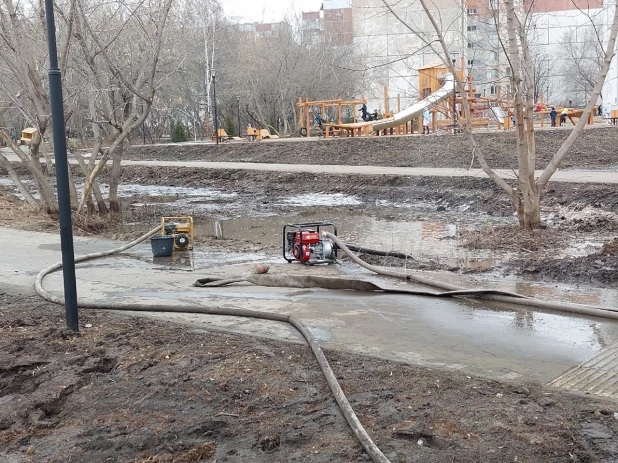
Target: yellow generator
[[181, 228]]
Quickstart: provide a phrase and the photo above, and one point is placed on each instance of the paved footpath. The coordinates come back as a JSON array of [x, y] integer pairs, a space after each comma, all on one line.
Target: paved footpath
[[570, 176], [478, 338]]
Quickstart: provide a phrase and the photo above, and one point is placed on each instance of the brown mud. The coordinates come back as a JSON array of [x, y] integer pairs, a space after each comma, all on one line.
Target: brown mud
[[137, 390]]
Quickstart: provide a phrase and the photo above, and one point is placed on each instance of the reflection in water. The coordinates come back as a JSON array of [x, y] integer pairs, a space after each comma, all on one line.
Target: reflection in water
[[419, 238], [179, 260], [524, 319], [558, 292]]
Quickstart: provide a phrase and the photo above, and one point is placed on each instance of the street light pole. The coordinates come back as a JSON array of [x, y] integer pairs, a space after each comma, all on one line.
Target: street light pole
[[238, 107], [62, 173], [214, 101]]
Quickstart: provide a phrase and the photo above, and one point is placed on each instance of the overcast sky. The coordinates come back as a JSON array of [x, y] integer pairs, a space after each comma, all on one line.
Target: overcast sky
[[267, 10]]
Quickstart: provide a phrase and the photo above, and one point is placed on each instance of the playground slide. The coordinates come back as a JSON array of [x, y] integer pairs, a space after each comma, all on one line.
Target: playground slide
[[498, 112], [417, 108]]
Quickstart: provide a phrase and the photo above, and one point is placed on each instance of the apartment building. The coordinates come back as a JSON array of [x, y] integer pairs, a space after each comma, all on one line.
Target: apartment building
[[389, 53]]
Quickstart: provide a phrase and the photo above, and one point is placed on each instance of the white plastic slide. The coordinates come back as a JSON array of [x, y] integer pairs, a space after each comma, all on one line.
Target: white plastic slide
[[417, 108], [498, 112]]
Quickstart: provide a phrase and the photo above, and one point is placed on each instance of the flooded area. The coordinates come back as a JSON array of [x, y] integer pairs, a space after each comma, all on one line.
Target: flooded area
[[425, 230]]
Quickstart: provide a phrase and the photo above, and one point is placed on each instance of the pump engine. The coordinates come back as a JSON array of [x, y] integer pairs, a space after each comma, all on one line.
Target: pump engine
[[181, 228], [305, 242]]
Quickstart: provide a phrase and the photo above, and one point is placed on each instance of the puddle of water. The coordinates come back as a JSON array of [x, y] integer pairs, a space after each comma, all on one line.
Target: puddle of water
[[563, 292], [127, 190], [321, 199], [205, 194], [417, 238]]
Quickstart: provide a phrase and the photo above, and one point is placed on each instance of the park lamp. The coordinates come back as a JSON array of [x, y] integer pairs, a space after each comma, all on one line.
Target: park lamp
[[62, 173]]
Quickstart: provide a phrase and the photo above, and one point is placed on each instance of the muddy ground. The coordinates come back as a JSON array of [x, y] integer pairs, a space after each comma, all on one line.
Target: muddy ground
[[572, 212], [136, 390], [596, 148]]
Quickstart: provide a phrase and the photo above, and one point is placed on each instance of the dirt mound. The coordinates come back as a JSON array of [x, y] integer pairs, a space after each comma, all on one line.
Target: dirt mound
[[513, 238], [598, 270]]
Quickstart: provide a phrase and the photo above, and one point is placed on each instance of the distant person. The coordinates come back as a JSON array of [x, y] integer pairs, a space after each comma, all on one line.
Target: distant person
[[365, 113], [552, 115], [319, 119], [563, 116], [600, 110], [539, 107], [426, 120]]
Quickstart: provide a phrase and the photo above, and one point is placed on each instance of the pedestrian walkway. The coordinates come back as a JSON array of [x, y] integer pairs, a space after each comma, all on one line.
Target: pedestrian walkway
[[569, 176], [566, 176], [475, 337]]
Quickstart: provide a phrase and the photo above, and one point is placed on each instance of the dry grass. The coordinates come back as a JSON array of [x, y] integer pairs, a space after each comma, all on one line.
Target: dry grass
[[513, 238], [198, 453], [92, 223], [19, 215], [610, 248]]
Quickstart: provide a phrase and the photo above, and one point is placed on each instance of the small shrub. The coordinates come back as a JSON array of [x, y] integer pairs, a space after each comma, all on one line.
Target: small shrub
[[179, 132]]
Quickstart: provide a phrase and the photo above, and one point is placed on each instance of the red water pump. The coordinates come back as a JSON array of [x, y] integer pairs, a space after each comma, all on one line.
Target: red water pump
[[304, 242]]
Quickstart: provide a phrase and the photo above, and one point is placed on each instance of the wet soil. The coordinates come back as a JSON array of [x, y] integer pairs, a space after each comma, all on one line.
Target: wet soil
[[596, 148], [135, 390], [571, 211]]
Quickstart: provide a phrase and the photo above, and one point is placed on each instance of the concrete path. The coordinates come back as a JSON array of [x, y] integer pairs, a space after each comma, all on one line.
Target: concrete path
[[568, 176], [473, 337]]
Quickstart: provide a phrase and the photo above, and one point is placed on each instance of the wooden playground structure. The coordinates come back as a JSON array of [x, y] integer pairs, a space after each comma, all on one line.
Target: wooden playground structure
[[486, 112], [305, 114]]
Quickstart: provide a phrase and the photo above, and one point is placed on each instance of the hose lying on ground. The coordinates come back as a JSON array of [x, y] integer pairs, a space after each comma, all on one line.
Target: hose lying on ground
[[377, 252], [526, 301], [452, 291], [313, 281], [357, 428]]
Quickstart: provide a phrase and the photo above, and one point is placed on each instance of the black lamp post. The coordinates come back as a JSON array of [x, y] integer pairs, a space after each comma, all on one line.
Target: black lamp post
[[62, 173], [214, 103], [238, 108]]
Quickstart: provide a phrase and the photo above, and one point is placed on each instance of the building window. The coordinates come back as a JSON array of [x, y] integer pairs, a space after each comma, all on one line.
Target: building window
[[493, 90], [493, 56], [470, 62], [471, 45], [508, 70], [493, 40], [493, 4], [471, 28], [473, 11]]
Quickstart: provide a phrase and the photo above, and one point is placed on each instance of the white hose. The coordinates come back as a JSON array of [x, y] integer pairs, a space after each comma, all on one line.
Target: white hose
[[514, 299], [357, 428]]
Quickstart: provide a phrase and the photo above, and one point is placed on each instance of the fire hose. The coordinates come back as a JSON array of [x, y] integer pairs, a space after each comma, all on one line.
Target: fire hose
[[320, 282]]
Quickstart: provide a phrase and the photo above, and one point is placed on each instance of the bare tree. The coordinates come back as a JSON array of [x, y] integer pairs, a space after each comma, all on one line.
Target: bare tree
[[23, 82], [122, 102], [541, 64], [526, 196], [583, 55]]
